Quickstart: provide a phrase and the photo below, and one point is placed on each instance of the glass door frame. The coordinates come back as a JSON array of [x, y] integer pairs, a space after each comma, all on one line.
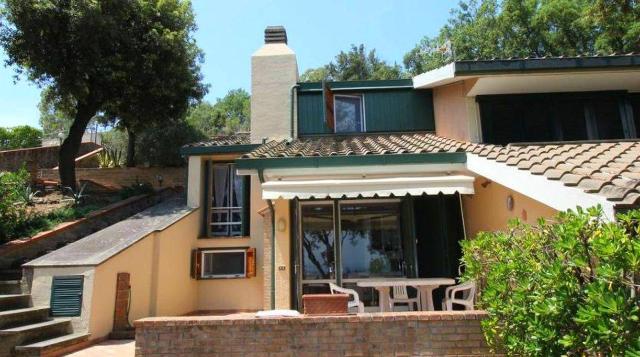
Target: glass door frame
[[337, 246]]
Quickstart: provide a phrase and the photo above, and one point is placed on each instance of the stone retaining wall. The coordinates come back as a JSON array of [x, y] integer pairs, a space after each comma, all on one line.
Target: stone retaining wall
[[125, 176], [40, 157], [373, 334]]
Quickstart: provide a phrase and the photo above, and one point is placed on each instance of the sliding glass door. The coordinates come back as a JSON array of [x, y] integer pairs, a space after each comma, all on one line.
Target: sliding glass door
[[370, 245]]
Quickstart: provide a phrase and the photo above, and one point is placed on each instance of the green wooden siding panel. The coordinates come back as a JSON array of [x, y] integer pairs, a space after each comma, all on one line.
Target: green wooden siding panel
[[310, 114], [386, 110], [398, 110], [66, 295]]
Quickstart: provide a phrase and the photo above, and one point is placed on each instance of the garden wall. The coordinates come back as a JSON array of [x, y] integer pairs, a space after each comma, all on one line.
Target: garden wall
[[40, 157], [125, 176], [370, 334], [16, 252]]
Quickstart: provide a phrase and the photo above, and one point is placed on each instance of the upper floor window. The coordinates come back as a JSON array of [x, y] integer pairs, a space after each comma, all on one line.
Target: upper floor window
[[228, 207], [556, 117], [349, 113]]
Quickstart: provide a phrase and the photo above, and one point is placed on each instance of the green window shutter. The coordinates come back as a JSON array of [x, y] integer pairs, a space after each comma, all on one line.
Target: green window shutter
[[246, 199], [205, 229], [66, 295]]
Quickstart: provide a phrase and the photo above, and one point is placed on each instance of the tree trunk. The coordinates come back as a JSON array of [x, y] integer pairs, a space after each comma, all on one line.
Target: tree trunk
[[131, 148], [71, 146]]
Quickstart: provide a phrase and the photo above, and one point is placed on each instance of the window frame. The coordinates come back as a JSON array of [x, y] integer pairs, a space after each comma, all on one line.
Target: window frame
[[203, 252], [363, 124], [243, 210]]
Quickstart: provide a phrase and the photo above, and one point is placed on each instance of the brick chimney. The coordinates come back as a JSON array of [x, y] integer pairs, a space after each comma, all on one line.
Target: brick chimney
[[274, 71]]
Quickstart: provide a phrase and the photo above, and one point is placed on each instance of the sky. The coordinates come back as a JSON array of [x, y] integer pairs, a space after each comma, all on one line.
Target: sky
[[230, 31]]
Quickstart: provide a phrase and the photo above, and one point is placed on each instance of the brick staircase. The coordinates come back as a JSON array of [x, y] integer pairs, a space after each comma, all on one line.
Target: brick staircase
[[27, 330]]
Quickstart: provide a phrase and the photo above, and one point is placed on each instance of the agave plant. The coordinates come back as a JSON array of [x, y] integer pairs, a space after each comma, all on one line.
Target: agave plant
[[28, 196], [77, 197], [110, 157]]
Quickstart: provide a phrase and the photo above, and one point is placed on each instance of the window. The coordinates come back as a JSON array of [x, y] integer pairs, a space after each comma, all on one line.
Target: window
[[552, 117], [224, 263], [228, 211], [371, 239], [349, 113]]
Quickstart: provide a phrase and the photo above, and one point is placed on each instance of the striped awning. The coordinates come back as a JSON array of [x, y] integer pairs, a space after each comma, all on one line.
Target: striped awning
[[375, 187]]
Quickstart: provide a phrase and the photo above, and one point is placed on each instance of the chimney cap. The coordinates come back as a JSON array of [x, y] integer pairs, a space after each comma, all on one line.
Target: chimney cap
[[275, 34]]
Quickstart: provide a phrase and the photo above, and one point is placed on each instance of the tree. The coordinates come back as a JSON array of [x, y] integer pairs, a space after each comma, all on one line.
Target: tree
[[486, 29], [114, 57], [356, 64], [565, 288], [19, 137], [229, 114]]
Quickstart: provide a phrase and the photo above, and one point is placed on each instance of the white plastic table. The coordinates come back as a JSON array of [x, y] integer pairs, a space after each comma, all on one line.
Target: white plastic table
[[425, 285]]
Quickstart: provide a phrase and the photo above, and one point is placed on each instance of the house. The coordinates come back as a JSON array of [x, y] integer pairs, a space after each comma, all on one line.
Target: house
[[347, 181]]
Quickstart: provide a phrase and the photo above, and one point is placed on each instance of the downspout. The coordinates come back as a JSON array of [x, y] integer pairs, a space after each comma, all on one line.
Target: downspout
[[273, 245], [292, 104]]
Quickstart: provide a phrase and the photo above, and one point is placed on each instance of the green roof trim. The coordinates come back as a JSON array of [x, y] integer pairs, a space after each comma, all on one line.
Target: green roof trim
[[221, 149], [519, 65], [352, 160], [360, 85]]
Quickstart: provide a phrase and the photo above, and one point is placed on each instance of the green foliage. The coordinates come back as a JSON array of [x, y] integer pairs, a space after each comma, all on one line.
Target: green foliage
[[19, 137], [77, 197], [36, 223], [488, 29], [229, 114], [110, 157], [356, 64], [159, 145], [565, 288], [12, 209], [132, 60], [136, 189]]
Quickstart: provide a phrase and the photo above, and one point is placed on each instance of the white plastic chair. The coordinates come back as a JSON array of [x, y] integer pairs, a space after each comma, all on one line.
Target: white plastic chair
[[400, 296], [335, 289], [468, 292]]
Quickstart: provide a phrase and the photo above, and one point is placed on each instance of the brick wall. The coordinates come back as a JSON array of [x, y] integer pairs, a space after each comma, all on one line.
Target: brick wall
[[42, 157], [387, 334], [125, 176], [121, 313]]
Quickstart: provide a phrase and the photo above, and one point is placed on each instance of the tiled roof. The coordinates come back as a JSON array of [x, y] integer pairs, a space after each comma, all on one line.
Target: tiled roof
[[222, 140], [365, 144], [609, 169]]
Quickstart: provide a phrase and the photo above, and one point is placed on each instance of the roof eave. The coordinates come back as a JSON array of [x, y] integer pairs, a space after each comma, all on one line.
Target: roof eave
[[352, 160], [217, 149]]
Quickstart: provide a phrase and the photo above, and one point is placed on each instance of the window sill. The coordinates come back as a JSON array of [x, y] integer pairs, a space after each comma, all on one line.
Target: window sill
[[224, 237], [223, 278]]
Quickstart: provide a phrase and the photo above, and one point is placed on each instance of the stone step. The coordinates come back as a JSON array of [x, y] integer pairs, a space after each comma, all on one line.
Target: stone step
[[11, 274], [10, 287], [52, 347], [26, 316], [15, 301], [28, 334]]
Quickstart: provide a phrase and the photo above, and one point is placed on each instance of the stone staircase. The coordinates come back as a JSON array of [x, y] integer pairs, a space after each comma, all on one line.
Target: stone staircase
[[27, 330]]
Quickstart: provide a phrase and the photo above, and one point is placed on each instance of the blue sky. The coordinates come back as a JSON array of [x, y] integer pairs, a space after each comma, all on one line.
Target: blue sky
[[230, 31]]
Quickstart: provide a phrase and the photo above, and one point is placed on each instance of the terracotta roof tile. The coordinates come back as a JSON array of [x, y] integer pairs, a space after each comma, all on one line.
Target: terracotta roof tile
[[222, 140], [609, 169]]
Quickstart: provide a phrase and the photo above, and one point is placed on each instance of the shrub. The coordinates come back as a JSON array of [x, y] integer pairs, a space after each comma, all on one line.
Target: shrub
[[159, 144], [12, 210], [564, 288], [136, 189]]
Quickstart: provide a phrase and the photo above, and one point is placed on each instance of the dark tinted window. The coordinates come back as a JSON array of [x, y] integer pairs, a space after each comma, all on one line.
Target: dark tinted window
[[225, 264], [551, 117], [635, 109]]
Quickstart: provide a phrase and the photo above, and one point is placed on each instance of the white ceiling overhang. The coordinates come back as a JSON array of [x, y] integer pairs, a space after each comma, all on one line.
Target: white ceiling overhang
[[368, 187]]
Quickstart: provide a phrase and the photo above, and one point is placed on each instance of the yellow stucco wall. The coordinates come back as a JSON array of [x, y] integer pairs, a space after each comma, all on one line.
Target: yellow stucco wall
[[486, 210], [456, 115], [159, 265], [283, 254], [236, 294]]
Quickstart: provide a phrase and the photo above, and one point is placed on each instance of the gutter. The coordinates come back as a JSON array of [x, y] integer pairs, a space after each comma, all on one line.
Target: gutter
[[273, 245], [291, 104]]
